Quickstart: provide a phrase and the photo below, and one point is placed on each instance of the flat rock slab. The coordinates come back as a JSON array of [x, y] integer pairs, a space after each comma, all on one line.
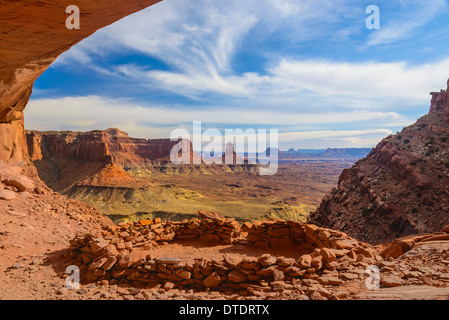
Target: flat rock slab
[[7, 195], [424, 248], [16, 213], [22, 183], [407, 293], [391, 281]]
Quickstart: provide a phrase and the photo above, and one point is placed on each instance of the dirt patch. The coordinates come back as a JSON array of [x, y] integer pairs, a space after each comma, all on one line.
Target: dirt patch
[[188, 251]]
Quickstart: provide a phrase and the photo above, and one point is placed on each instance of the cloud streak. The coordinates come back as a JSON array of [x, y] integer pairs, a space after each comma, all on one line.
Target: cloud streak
[[302, 83], [199, 44], [414, 15], [158, 122]]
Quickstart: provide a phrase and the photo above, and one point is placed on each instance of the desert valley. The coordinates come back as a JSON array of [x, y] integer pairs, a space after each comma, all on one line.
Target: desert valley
[[331, 224], [129, 179]]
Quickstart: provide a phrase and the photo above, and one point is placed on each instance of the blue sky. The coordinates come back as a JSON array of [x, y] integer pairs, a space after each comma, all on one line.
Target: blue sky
[[310, 69]]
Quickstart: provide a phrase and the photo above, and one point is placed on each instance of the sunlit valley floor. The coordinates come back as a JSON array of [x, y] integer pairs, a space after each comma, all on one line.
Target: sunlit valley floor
[[129, 179]]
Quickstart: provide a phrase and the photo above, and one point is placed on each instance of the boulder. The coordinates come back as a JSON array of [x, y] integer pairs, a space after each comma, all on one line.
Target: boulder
[[330, 280], [278, 275], [22, 183], [231, 261], [246, 226], [7, 195], [132, 258], [183, 274], [267, 260], [398, 248], [305, 261], [391, 281], [213, 216], [168, 260]]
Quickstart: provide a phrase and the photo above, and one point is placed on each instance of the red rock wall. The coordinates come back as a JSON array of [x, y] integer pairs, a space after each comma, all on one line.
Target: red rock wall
[[107, 146], [125, 149], [12, 142], [87, 147], [400, 188]]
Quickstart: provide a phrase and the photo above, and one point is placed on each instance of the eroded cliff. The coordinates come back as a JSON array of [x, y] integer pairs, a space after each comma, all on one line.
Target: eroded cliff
[[401, 187], [110, 157]]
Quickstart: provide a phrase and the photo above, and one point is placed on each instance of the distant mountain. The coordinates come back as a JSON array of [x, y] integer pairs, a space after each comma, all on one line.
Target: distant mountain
[[311, 151], [347, 152]]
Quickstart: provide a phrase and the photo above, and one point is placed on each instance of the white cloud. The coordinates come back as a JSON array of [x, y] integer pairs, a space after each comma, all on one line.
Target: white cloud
[[204, 37], [157, 122], [92, 112], [186, 37], [327, 134], [306, 84], [287, 7], [369, 81]]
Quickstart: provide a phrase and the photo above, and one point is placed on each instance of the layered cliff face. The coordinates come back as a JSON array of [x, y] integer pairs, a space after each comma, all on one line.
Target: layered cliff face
[[32, 36], [99, 158], [401, 187]]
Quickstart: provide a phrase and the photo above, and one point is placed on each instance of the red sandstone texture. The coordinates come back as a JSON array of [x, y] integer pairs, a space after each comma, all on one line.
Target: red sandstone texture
[[111, 146], [36, 222], [400, 188]]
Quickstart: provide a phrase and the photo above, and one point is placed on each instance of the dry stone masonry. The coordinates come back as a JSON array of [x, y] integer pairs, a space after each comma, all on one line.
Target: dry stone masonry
[[122, 255], [281, 234]]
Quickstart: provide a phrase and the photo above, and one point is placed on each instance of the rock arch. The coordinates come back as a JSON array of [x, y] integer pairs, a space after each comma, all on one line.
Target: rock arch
[[32, 35]]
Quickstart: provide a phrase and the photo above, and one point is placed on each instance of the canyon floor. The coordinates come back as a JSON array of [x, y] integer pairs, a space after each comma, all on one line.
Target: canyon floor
[[237, 257], [37, 228], [293, 192], [129, 178]]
